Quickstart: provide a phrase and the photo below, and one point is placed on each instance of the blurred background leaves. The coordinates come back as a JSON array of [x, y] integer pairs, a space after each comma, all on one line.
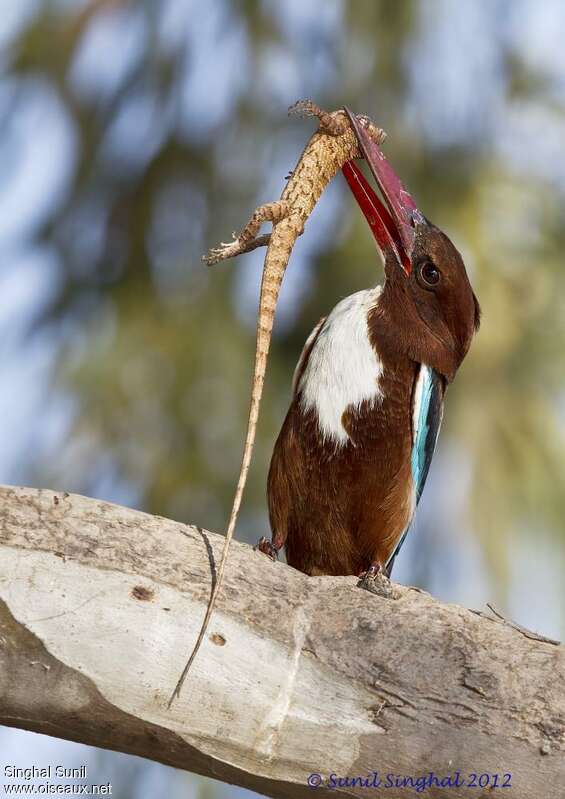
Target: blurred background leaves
[[136, 134]]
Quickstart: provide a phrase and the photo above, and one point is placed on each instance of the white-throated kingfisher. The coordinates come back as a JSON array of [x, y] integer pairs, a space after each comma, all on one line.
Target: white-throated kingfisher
[[351, 460]]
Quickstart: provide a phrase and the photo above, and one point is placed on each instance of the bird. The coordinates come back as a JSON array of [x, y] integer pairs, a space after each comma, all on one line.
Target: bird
[[353, 454]]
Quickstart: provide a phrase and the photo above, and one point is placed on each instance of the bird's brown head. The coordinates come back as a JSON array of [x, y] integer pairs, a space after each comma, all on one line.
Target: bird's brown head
[[427, 309]]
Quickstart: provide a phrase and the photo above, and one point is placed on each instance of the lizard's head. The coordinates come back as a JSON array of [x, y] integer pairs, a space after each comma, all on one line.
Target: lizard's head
[[428, 308]]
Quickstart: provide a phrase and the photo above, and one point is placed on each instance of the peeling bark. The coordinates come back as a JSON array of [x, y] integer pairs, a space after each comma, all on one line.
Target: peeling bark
[[100, 604]]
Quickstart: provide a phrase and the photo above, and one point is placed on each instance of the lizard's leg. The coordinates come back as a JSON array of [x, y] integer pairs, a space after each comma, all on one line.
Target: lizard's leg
[[248, 239], [377, 134], [329, 123], [334, 125], [224, 250]]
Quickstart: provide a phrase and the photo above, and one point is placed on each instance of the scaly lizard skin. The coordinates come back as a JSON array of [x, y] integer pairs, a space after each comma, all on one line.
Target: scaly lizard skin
[[333, 144]]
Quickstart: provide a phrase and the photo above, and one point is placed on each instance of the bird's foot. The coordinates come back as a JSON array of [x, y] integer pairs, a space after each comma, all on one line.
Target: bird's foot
[[375, 581], [267, 548]]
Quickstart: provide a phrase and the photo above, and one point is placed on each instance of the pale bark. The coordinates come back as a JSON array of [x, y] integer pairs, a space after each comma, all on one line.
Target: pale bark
[[99, 606]]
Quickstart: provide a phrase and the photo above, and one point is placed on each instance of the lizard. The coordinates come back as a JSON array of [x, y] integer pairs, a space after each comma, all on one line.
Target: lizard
[[329, 148]]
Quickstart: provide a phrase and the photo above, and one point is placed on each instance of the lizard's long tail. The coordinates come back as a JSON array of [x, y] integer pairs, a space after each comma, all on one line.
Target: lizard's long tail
[[282, 239]]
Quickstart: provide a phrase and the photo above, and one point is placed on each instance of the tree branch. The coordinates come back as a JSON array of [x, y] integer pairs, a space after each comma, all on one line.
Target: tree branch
[[100, 604]]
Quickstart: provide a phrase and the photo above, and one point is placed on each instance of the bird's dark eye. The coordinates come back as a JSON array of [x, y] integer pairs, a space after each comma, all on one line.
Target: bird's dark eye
[[429, 273]]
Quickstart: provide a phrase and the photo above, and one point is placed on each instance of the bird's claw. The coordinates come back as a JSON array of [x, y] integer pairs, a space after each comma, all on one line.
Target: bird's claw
[[375, 581], [267, 548]]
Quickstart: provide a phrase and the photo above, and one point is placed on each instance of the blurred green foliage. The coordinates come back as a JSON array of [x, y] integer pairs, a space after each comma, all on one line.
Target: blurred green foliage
[[173, 152]]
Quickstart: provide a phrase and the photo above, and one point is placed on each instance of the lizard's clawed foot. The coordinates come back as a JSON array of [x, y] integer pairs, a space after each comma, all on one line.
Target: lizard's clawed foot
[[377, 134], [334, 123], [305, 108], [267, 548], [329, 123], [232, 248], [375, 581], [225, 250]]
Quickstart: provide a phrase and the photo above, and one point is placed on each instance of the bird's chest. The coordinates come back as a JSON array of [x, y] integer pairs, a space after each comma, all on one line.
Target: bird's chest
[[352, 438], [358, 396]]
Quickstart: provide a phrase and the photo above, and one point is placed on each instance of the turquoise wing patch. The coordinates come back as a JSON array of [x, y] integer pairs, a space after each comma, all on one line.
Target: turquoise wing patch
[[427, 412]]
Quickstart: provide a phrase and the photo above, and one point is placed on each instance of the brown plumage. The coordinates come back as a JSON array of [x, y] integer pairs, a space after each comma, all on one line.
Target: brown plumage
[[346, 475], [337, 510]]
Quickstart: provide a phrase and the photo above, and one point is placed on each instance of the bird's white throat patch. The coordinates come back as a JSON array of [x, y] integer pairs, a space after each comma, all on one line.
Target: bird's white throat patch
[[343, 369]]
